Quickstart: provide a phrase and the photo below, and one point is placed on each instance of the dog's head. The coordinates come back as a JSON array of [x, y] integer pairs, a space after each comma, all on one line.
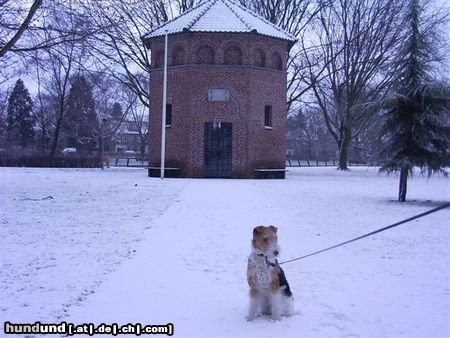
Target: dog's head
[[265, 240]]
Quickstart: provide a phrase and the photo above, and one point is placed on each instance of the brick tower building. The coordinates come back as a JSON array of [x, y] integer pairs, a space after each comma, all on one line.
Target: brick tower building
[[226, 93]]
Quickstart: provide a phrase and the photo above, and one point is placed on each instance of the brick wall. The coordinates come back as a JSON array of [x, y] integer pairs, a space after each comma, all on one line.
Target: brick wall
[[251, 88]]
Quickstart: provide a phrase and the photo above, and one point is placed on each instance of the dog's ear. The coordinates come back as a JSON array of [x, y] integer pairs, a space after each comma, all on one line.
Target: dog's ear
[[274, 228], [258, 229]]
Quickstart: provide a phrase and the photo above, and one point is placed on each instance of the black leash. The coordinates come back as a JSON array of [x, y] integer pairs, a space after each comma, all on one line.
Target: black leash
[[446, 205]]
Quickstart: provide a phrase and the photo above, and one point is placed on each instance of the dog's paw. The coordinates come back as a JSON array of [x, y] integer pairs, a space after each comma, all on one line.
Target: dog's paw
[[275, 318], [249, 318]]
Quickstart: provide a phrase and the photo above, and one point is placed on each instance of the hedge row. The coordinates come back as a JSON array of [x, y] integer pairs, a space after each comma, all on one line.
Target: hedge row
[[44, 161]]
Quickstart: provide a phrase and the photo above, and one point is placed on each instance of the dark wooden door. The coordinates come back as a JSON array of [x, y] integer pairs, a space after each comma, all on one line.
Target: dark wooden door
[[218, 149]]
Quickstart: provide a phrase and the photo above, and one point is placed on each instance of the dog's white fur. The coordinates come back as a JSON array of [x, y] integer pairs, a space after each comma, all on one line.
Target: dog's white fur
[[266, 296]]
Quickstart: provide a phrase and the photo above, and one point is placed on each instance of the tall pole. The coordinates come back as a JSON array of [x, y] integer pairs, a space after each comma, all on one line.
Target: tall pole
[[163, 120]]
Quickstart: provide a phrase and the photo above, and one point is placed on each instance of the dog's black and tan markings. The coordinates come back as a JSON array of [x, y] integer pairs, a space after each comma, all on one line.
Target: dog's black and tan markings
[[269, 290], [284, 285]]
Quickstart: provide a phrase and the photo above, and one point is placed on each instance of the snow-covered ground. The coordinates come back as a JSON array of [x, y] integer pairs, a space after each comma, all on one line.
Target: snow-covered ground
[[119, 247], [64, 230]]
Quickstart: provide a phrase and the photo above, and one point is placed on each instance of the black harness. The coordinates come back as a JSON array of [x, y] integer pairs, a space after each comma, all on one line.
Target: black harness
[[260, 254]]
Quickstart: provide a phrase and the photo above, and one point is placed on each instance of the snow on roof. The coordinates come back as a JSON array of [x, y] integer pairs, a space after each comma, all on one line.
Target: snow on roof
[[220, 16]]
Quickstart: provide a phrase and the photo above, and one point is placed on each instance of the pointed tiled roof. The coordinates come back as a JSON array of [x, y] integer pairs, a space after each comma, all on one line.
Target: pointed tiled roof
[[220, 16]]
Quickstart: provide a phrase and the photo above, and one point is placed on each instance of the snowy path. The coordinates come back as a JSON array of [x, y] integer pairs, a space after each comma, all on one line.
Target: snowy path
[[190, 270]]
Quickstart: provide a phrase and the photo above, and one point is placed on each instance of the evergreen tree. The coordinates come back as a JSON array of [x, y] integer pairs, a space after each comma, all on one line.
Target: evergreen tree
[[415, 127], [19, 119], [117, 111], [81, 119]]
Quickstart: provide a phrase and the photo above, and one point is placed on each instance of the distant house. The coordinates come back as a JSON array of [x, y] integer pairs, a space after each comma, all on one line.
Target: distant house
[[128, 138], [226, 102]]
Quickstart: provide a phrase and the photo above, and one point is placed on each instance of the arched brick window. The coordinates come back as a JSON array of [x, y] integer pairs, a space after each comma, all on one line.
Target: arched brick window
[[259, 58], [276, 62], [159, 59], [233, 56], [179, 56], [205, 55]]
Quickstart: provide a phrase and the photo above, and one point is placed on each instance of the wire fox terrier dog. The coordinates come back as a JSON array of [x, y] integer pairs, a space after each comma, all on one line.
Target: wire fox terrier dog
[[269, 289]]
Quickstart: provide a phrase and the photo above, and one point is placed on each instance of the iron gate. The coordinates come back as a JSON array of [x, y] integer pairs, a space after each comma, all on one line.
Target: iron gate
[[218, 146]]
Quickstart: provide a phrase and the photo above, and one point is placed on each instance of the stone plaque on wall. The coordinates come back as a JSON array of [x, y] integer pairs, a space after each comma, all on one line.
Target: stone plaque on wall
[[218, 94]]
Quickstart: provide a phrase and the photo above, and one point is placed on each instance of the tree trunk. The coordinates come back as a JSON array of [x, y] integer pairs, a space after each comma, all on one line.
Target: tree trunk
[[403, 185], [143, 143], [344, 147], [101, 149], [43, 142], [55, 138]]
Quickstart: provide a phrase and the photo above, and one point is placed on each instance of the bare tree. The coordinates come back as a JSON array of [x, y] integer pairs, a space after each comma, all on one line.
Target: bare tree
[[42, 113], [294, 17], [57, 64], [118, 48], [7, 26], [60, 67], [356, 40], [140, 119], [290, 15], [185, 5], [306, 132], [107, 93], [36, 32]]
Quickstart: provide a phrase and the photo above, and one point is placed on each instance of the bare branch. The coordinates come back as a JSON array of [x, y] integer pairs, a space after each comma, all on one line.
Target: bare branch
[[23, 27]]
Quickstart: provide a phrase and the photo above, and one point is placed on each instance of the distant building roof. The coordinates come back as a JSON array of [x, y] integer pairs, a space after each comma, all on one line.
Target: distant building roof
[[220, 16]]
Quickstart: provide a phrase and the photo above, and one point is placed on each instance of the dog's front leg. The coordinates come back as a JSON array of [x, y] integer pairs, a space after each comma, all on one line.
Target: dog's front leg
[[276, 301], [255, 300], [254, 294], [276, 305]]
